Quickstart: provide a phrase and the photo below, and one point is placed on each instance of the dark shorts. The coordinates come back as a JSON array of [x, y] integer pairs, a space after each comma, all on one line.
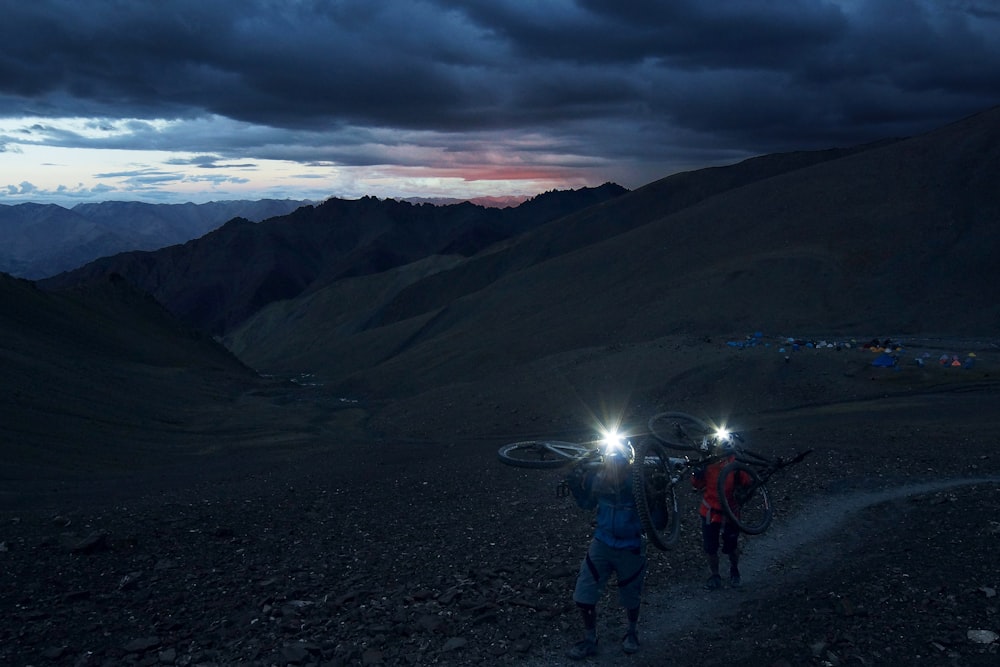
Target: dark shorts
[[628, 566], [711, 532]]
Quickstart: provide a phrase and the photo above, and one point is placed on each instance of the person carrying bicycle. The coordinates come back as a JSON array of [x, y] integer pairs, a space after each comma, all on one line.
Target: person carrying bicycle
[[618, 545], [715, 525]]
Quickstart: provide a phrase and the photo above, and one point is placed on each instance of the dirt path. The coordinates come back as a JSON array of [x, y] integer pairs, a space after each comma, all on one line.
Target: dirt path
[[789, 552]]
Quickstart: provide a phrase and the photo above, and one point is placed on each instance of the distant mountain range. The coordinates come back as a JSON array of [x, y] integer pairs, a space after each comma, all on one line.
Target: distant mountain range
[[216, 281], [492, 202], [41, 240]]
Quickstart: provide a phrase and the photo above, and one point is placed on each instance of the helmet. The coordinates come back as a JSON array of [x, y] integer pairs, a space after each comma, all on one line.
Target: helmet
[[723, 442]]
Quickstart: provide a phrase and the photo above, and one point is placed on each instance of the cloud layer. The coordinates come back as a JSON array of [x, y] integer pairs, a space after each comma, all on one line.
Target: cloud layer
[[497, 92]]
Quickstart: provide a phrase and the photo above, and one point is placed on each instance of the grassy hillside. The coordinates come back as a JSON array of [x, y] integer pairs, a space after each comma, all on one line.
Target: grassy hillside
[[896, 239]]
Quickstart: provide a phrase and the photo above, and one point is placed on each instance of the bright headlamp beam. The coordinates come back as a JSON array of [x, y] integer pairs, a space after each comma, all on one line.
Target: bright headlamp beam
[[612, 440]]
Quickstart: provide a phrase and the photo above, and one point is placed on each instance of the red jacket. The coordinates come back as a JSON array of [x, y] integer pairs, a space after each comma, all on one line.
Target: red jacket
[[706, 479]]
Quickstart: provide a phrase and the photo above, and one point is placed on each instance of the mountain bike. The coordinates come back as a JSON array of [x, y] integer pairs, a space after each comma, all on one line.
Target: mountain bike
[[654, 477], [549, 454], [748, 506]]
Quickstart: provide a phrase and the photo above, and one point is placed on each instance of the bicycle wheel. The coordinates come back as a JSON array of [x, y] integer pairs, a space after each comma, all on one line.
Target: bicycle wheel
[[748, 505], [541, 453], [655, 496], [679, 430]]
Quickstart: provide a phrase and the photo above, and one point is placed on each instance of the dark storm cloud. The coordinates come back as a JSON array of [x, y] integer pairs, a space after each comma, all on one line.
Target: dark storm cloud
[[604, 79]]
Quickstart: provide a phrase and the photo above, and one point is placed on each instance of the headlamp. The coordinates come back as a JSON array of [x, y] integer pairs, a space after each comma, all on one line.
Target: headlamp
[[615, 445]]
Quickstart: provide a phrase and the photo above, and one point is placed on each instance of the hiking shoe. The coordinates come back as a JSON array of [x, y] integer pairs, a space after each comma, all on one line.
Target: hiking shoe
[[630, 643], [714, 583], [582, 649], [734, 580]]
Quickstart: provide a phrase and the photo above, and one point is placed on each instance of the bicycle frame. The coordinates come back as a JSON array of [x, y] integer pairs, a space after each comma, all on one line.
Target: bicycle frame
[[660, 476], [656, 474], [749, 504]]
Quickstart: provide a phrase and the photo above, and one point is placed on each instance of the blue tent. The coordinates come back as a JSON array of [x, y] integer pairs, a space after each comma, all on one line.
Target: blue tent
[[884, 360]]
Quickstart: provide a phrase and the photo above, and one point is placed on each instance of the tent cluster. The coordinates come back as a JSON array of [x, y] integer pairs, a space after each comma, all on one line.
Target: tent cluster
[[888, 352], [757, 339], [887, 345], [752, 340], [953, 361], [794, 344], [889, 358]]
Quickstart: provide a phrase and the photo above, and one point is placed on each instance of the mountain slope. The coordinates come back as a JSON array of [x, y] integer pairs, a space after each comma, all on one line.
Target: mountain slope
[[895, 239], [436, 289], [103, 376], [29, 233]]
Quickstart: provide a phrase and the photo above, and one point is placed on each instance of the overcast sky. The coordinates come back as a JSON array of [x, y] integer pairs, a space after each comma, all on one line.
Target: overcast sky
[[197, 100]]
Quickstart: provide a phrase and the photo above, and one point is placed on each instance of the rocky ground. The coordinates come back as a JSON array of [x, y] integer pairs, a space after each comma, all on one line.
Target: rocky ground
[[434, 553]]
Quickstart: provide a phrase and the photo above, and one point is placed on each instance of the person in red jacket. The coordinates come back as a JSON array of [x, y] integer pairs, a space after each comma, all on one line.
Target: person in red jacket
[[716, 528]]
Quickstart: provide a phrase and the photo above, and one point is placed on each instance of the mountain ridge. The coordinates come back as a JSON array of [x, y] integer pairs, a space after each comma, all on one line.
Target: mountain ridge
[[43, 240], [216, 281]]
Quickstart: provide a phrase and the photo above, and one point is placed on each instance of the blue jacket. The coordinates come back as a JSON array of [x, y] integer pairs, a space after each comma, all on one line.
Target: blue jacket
[[618, 523]]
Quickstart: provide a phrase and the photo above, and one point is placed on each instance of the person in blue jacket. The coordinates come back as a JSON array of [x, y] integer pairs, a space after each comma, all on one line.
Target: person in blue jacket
[[618, 546]]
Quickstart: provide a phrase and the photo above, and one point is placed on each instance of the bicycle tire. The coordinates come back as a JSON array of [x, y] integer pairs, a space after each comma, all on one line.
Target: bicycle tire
[[679, 430], [749, 507], [653, 490], [541, 454]]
